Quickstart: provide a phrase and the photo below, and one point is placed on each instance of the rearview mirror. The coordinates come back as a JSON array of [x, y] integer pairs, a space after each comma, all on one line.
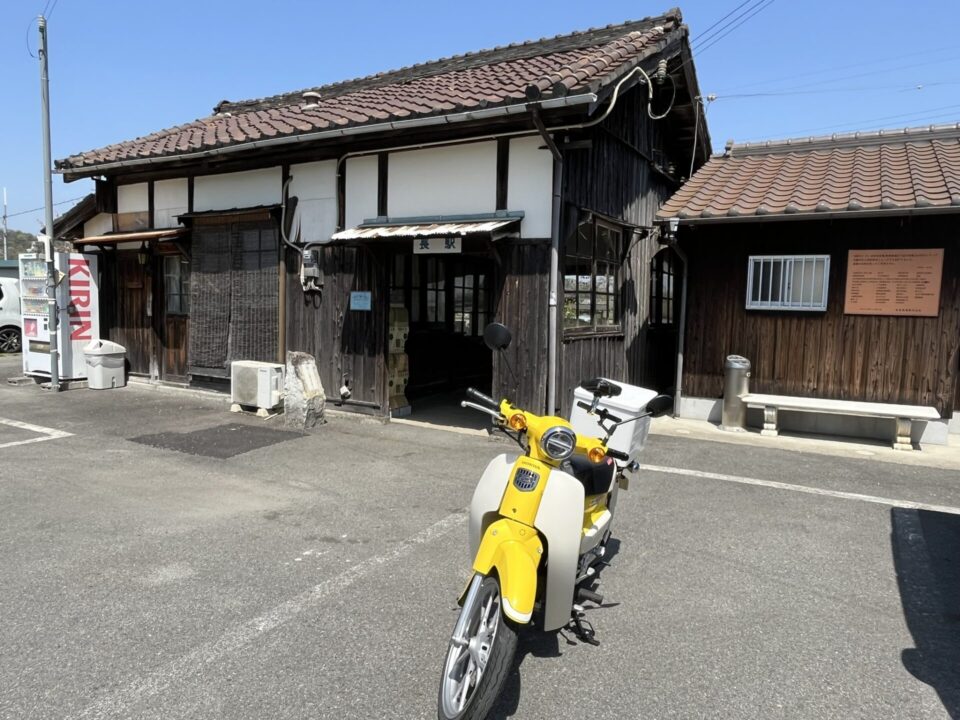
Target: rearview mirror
[[660, 405], [601, 387], [496, 336]]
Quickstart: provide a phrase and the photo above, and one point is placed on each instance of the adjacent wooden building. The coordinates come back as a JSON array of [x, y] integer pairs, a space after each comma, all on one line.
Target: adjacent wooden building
[[413, 206], [833, 265]]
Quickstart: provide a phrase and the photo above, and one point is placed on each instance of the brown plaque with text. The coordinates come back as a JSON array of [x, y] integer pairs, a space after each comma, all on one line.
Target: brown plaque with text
[[894, 282]]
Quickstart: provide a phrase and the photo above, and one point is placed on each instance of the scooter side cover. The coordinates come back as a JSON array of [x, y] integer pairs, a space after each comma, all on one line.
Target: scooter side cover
[[514, 549], [559, 520]]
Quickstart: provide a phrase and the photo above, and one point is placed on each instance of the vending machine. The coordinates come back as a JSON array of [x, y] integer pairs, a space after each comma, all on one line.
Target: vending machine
[[78, 303]]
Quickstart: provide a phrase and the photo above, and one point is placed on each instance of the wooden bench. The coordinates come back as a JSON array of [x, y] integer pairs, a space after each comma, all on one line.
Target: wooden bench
[[903, 415]]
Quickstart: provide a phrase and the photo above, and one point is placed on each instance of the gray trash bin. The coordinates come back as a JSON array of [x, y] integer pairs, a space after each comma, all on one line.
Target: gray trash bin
[[736, 382], [105, 364]]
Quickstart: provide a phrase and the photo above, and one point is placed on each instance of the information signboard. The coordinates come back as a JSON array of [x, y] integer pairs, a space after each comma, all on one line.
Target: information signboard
[[360, 301], [894, 282]]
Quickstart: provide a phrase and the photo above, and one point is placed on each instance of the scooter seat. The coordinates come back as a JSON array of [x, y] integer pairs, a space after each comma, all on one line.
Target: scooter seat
[[595, 477]]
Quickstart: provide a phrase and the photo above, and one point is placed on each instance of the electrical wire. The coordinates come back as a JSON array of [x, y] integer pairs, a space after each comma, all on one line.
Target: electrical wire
[[735, 22], [835, 68], [707, 31], [928, 114], [27, 38], [700, 49], [826, 91], [856, 76], [62, 202]]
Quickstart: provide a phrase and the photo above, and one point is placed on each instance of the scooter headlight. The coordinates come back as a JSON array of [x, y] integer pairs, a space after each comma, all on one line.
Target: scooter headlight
[[558, 443]]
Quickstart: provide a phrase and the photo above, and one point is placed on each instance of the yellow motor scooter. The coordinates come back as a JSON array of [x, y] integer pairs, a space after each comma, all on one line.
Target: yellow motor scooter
[[539, 525]]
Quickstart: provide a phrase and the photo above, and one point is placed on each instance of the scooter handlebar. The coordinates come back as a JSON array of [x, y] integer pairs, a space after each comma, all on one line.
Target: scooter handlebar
[[481, 398], [617, 455]]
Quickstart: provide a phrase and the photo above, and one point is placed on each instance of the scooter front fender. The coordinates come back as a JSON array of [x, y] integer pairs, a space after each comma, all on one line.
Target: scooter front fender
[[514, 550]]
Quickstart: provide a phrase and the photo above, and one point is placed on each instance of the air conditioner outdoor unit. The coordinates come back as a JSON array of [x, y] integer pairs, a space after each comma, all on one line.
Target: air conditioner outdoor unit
[[256, 384]]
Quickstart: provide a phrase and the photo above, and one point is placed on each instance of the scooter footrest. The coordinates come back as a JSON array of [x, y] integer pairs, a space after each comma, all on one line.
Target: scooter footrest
[[590, 595]]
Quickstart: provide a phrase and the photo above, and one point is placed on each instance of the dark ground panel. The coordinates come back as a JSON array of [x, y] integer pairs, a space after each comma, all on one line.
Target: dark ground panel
[[222, 441]]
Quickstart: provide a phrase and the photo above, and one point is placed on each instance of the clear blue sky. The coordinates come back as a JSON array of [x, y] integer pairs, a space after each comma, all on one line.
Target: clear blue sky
[[123, 69]]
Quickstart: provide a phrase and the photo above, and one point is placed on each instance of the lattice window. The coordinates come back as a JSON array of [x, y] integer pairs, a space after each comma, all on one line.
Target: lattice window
[[591, 277]]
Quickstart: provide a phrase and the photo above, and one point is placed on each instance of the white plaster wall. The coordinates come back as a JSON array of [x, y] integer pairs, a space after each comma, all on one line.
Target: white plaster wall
[[99, 224], [315, 186], [361, 190], [237, 190], [132, 198], [530, 185], [454, 180], [169, 200]]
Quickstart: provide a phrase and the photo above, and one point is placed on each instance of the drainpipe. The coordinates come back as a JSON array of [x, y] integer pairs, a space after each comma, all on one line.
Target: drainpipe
[[671, 238], [553, 313]]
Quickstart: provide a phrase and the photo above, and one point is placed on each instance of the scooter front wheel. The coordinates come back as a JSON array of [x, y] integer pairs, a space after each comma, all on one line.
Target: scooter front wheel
[[480, 655]]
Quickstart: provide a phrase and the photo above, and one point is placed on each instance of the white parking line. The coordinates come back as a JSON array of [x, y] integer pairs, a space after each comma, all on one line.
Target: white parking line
[[120, 702], [45, 433], [909, 504]]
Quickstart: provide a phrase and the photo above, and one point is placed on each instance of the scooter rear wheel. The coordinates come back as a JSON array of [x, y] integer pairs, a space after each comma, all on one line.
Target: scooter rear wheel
[[477, 665]]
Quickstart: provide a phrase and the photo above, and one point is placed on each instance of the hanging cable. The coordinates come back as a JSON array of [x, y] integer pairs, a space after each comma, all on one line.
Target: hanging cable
[[707, 31], [706, 38], [700, 49]]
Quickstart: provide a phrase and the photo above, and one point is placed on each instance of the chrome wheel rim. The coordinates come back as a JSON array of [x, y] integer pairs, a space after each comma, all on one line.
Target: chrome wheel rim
[[470, 647], [9, 340]]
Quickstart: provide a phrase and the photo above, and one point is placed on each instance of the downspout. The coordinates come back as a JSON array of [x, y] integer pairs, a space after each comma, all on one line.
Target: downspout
[[553, 312], [681, 331]]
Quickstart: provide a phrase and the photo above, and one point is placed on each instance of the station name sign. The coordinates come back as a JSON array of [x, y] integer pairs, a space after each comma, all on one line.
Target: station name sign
[[894, 282], [437, 245]]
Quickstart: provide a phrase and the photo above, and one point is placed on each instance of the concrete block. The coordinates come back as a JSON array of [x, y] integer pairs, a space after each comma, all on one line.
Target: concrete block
[[304, 401]]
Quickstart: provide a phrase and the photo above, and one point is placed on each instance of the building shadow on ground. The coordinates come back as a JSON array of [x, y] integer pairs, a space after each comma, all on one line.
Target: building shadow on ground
[[926, 555]]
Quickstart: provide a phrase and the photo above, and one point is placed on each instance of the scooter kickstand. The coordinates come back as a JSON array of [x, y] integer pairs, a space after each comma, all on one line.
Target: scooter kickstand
[[583, 629]]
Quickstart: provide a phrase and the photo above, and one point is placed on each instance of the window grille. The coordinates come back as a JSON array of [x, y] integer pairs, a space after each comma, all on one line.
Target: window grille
[[788, 282]]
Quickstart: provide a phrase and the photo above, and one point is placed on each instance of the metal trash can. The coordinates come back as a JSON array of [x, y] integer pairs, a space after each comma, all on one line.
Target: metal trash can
[[736, 382], [105, 364]]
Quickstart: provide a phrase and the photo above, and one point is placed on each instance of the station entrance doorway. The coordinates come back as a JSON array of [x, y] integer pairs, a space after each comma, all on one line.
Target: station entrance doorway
[[448, 301]]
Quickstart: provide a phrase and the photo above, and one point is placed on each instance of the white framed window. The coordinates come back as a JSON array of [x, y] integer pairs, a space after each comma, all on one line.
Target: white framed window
[[788, 282]]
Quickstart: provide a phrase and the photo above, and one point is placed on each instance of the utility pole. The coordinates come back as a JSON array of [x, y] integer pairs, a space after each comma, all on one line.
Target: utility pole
[[4, 223], [48, 209]]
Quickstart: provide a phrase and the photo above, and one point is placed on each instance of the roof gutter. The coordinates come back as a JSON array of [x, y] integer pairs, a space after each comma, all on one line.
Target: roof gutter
[[433, 120]]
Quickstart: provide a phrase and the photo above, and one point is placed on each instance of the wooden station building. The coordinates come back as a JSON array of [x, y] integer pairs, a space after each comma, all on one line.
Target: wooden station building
[[833, 265], [428, 200]]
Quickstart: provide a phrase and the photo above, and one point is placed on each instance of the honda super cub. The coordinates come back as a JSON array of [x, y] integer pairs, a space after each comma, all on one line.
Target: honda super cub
[[539, 526]]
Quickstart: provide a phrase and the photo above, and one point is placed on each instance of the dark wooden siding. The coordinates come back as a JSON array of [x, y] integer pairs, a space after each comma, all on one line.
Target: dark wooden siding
[[132, 323], [616, 178], [347, 344], [851, 357], [523, 272]]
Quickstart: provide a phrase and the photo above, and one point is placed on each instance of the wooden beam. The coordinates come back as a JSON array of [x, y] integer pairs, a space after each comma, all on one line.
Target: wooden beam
[[503, 168], [383, 164]]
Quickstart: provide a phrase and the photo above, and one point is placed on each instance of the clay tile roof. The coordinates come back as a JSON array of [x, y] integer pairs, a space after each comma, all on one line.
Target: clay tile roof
[[580, 63], [897, 171]]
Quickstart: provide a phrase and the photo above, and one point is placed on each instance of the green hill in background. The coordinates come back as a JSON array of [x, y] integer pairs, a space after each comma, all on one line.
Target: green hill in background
[[17, 242]]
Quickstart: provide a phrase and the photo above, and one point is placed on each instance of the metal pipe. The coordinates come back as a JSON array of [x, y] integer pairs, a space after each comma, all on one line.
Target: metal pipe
[[453, 119], [553, 321], [677, 395], [48, 207]]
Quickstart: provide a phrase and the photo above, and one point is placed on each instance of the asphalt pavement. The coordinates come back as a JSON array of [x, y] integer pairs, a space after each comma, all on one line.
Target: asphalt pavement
[[154, 567]]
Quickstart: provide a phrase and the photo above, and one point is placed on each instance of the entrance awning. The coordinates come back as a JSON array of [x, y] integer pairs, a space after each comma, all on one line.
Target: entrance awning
[[493, 225], [137, 236]]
